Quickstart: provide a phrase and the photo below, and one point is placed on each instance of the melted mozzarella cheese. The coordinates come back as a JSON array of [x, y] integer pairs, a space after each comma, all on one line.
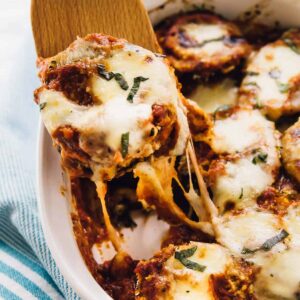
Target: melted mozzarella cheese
[[204, 32], [248, 229], [210, 98], [241, 184], [201, 33], [210, 38], [242, 130], [279, 277], [191, 284], [112, 119]]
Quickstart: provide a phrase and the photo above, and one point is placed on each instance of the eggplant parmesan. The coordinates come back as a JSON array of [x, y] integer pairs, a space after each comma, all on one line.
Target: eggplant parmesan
[[182, 197], [107, 104], [272, 77], [249, 158], [202, 43]]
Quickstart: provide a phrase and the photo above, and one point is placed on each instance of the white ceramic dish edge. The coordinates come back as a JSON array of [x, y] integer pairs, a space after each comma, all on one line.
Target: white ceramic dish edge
[[86, 290]]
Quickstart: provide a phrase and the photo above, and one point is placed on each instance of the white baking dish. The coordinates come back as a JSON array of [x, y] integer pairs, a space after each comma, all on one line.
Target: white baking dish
[[53, 207]]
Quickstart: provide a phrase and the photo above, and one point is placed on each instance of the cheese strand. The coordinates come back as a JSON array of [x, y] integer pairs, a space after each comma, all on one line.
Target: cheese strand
[[112, 232], [208, 203]]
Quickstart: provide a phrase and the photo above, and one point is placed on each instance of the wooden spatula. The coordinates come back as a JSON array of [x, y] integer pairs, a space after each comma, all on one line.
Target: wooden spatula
[[55, 24]]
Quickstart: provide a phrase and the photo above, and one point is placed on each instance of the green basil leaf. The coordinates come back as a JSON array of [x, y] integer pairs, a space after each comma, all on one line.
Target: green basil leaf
[[135, 87], [291, 44], [261, 157], [268, 244], [42, 105], [121, 81], [192, 265], [252, 73], [241, 194], [187, 252], [258, 104], [283, 87], [184, 254], [248, 251], [104, 74]]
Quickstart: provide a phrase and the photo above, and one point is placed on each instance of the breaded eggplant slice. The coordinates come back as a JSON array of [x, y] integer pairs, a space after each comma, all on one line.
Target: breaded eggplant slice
[[291, 150], [194, 271], [272, 81], [108, 104], [247, 145], [202, 43]]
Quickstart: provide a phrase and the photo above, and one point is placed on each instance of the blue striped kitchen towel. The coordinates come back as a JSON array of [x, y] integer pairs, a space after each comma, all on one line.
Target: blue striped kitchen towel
[[27, 270]]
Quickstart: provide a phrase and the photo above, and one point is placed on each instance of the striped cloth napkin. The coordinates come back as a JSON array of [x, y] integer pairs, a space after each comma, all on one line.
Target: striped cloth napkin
[[27, 270]]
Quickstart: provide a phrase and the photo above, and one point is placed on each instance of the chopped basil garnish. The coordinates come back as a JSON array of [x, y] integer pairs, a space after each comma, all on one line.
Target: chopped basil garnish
[[221, 38], [135, 87], [184, 254], [192, 265], [241, 194], [124, 144], [103, 73], [291, 44], [269, 243], [121, 81], [109, 75], [283, 87], [252, 73], [248, 251], [42, 105], [261, 157]]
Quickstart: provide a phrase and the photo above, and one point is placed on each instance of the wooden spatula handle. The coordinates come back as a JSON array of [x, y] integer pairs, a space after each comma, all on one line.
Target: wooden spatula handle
[[56, 23]]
